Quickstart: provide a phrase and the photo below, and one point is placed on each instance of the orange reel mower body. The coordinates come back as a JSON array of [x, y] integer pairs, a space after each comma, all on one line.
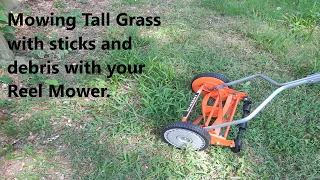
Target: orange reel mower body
[[221, 111], [219, 104], [224, 102]]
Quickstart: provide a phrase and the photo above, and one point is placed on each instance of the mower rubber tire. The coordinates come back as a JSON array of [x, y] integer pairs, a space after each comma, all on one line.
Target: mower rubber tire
[[182, 134]]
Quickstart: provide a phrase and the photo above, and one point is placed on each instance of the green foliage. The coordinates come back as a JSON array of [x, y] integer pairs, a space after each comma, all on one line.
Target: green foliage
[[7, 149], [3, 17], [5, 79], [5, 103], [33, 79], [28, 12], [131, 2], [62, 53], [269, 10], [60, 5], [10, 128], [51, 82], [302, 22], [84, 1], [38, 54], [8, 31]]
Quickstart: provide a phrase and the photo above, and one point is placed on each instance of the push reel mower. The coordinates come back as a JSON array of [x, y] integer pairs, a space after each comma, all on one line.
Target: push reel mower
[[217, 116]]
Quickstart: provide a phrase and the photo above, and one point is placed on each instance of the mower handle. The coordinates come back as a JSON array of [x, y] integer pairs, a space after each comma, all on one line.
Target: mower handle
[[314, 78]]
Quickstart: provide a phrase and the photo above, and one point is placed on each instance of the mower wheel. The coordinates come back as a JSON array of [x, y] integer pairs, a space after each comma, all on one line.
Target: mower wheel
[[236, 149], [186, 134], [207, 78]]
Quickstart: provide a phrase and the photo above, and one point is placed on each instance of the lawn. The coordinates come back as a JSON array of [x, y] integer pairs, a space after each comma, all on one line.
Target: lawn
[[118, 137]]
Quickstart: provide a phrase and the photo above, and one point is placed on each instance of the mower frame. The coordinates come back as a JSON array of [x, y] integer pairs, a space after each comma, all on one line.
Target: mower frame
[[217, 115], [314, 78]]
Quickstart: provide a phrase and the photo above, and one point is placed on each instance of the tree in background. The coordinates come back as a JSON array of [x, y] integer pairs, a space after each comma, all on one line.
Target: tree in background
[[6, 54]]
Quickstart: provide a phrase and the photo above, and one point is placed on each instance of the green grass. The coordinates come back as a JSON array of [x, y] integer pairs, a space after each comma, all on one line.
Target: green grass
[[269, 10], [288, 29], [119, 137]]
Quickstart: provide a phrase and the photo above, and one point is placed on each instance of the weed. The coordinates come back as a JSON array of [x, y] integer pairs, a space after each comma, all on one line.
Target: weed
[[302, 23], [33, 79], [83, 1], [28, 12], [5, 79], [59, 4], [61, 54], [38, 54], [8, 31], [10, 128], [131, 2]]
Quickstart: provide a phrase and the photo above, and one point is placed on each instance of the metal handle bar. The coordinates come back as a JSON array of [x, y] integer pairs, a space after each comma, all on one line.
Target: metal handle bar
[[314, 78]]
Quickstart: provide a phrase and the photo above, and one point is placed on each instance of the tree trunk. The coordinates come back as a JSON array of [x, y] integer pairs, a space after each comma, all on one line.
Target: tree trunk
[[9, 4], [5, 52], [6, 55]]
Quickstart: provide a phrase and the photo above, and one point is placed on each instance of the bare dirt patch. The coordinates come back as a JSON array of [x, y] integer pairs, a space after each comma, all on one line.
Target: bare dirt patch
[[18, 163]]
